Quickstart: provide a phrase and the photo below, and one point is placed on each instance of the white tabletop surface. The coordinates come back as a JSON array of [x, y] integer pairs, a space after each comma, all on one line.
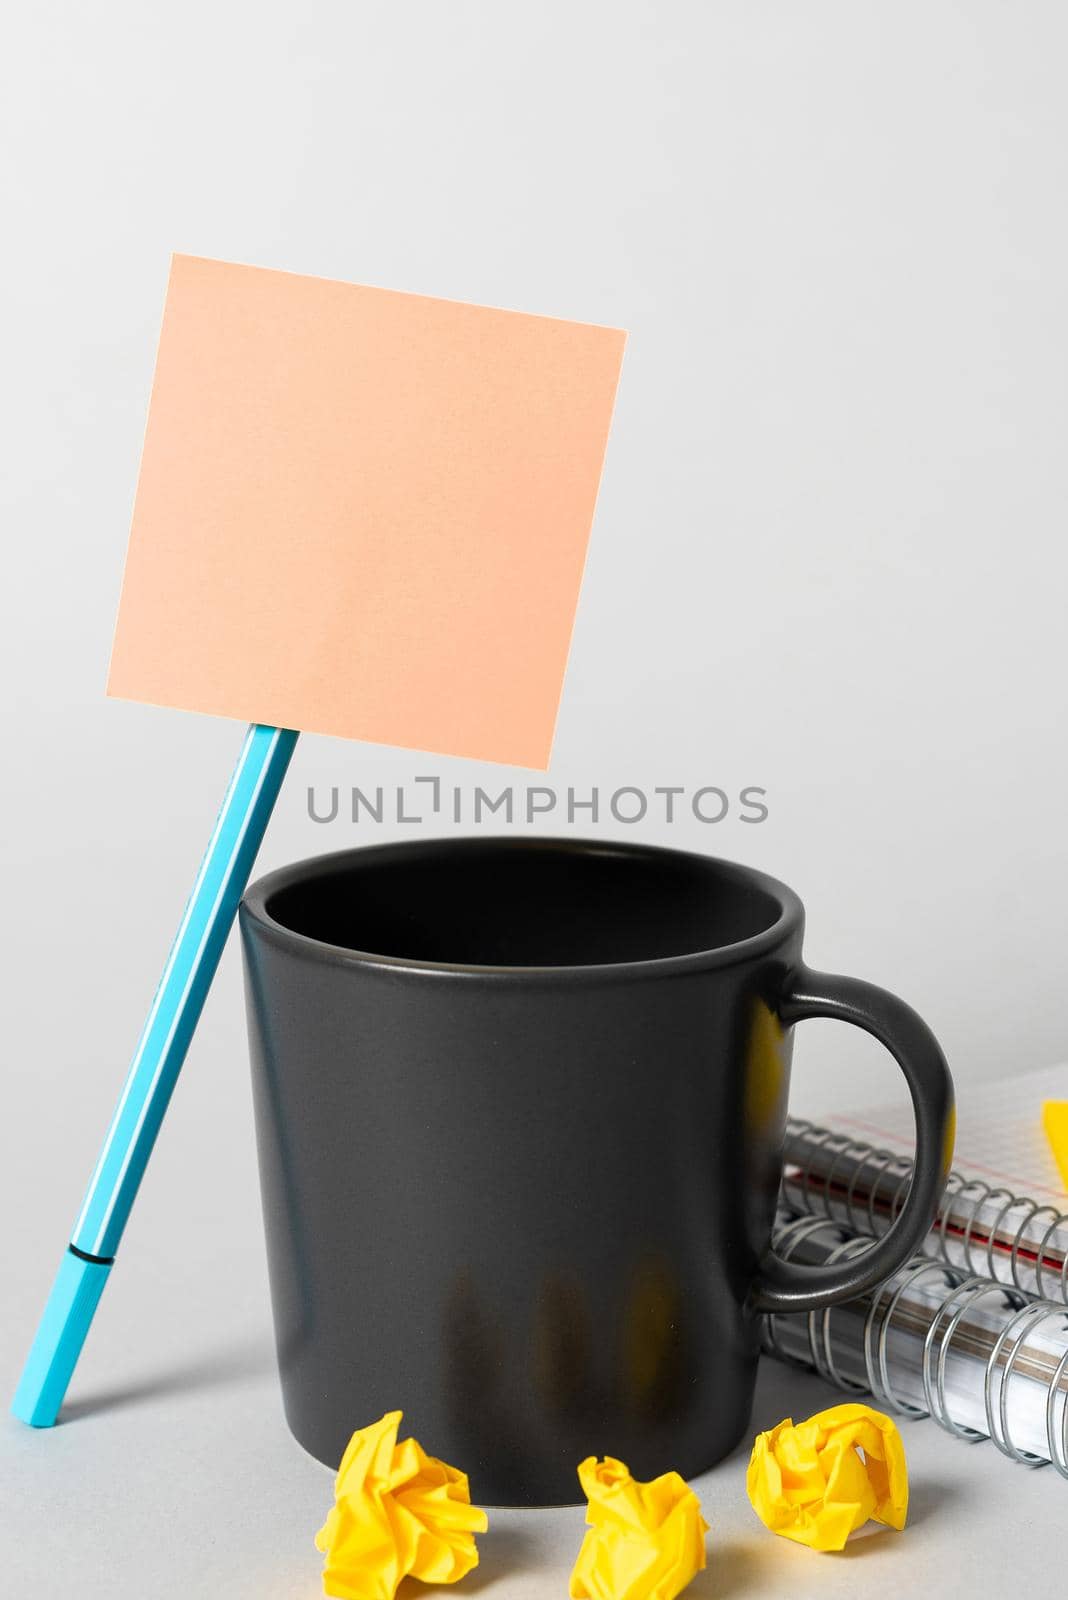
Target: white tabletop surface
[[173, 1474]]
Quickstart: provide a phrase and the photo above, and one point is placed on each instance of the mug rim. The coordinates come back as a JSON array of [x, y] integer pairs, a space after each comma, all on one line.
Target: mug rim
[[254, 902]]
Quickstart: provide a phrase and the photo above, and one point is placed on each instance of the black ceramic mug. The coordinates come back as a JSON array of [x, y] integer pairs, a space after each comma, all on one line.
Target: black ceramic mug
[[520, 1108]]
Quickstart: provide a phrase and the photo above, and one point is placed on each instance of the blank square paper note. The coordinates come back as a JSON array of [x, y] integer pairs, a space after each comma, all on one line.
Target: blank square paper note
[[363, 513]]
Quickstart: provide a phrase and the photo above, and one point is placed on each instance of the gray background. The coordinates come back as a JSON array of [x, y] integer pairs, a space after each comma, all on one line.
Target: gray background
[[827, 561]]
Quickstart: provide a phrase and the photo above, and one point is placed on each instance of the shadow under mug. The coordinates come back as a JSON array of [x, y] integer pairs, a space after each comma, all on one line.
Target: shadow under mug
[[519, 1108]]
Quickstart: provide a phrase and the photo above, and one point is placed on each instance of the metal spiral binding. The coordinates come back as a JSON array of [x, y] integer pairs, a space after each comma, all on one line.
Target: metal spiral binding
[[962, 1292], [888, 1178], [819, 1343]]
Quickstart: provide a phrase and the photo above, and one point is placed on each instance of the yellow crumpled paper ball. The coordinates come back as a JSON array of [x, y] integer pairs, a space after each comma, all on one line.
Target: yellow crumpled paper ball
[[811, 1484], [645, 1540], [398, 1513]]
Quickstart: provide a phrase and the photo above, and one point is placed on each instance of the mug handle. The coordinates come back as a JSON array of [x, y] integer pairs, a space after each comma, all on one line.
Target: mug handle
[[789, 1286]]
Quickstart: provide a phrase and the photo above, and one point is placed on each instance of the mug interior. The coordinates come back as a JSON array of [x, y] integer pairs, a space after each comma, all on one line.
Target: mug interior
[[523, 903]]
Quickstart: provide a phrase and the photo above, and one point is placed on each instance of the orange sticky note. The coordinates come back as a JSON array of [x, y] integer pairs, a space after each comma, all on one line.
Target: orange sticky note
[[363, 513], [1055, 1124]]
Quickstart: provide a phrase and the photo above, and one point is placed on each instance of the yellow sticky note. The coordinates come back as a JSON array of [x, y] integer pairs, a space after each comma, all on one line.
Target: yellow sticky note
[[819, 1481], [398, 1513], [645, 1541], [1055, 1123]]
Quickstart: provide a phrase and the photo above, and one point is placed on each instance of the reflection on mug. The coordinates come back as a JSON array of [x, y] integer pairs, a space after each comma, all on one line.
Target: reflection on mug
[[563, 1347], [483, 1414], [767, 1052], [767, 1065], [653, 1365]]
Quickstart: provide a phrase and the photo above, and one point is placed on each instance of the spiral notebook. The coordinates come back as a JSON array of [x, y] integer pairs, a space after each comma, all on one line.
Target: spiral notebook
[[974, 1330], [1005, 1212]]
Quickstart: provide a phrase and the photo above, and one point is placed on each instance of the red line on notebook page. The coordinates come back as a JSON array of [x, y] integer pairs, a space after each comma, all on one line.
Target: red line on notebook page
[[968, 1165], [973, 1235]]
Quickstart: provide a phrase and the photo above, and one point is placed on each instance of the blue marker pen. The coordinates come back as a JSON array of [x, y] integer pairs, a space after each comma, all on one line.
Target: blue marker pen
[[170, 1025]]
